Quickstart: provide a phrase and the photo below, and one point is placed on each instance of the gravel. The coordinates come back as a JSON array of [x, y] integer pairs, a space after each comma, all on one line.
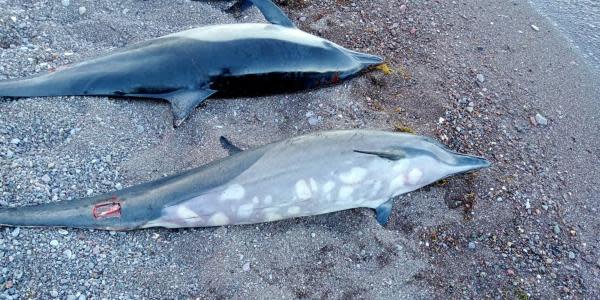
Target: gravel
[[91, 145]]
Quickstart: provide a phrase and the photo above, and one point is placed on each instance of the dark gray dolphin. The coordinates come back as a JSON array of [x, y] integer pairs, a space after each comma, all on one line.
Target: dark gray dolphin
[[187, 67], [307, 175]]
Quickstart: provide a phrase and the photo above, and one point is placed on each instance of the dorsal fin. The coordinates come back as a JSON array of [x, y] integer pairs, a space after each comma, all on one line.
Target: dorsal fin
[[270, 11], [230, 147], [393, 154]]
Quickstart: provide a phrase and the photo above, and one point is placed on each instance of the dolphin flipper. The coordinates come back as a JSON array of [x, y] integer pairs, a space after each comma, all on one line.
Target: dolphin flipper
[[230, 147], [383, 212], [272, 12], [183, 102]]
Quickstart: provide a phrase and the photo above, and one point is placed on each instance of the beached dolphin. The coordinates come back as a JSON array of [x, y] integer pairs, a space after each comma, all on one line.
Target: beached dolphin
[[301, 176], [187, 67]]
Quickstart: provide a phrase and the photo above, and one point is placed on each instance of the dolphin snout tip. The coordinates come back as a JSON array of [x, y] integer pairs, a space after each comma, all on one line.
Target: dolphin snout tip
[[473, 162]]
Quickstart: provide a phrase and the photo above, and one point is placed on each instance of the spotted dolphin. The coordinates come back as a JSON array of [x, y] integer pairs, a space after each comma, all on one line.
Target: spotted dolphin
[[187, 67], [302, 176]]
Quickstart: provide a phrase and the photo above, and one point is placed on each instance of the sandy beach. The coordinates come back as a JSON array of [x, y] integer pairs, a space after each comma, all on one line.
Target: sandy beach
[[491, 78]]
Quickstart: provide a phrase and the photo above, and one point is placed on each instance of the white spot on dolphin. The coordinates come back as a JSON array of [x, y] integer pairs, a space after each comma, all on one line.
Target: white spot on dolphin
[[345, 192], [245, 211], [219, 219], [233, 192], [313, 185], [255, 200], [328, 187], [414, 176], [302, 190], [354, 176], [272, 216], [397, 183], [294, 210], [186, 213]]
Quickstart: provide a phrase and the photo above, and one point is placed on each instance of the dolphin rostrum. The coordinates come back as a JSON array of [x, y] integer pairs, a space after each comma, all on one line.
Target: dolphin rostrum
[[187, 67], [301, 176]]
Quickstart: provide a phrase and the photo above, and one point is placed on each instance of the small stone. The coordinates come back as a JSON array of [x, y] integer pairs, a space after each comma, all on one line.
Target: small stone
[[63, 232], [302, 19], [66, 3], [54, 243], [68, 253], [89, 192], [54, 293], [71, 297], [313, 234], [469, 108], [15, 141], [246, 267], [499, 199], [313, 121], [16, 232], [535, 27], [82, 10], [46, 178], [472, 245], [556, 229], [541, 120], [118, 186], [571, 255], [480, 78]]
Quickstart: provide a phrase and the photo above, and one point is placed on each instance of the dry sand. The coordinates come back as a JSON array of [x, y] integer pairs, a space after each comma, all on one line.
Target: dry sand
[[527, 227]]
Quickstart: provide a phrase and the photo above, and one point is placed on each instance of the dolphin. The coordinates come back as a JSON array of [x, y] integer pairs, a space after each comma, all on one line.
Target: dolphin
[[307, 175], [187, 67]]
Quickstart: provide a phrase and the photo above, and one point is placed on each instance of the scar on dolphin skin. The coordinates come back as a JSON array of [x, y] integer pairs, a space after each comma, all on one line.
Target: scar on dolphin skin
[[187, 67], [307, 175]]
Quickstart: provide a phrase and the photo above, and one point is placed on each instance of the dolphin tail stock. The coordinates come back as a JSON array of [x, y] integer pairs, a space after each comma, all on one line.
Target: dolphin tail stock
[[270, 11], [106, 212], [30, 87]]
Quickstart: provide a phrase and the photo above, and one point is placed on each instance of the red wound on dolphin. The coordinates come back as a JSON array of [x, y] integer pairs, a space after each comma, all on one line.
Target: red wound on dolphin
[[107, 210]]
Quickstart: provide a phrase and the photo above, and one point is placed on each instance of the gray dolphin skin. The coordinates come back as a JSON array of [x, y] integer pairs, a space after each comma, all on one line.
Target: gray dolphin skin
[[302, 176], [187, 67]]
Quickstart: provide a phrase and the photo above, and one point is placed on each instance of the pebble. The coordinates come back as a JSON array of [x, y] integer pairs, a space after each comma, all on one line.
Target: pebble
[[68, 253], [54, 293], [66, 3], [535, 27], [15, 141], [82, 10], [246, 267], [118, 186], [63, 232], [46, 178], [54, 243], [556, 229], [302, 19], [571, 255], [16, 232], [471, 245], [541, 120], [480, 78]]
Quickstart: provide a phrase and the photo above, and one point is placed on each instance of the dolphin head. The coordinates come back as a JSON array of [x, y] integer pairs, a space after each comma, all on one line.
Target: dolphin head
[[414, 161]]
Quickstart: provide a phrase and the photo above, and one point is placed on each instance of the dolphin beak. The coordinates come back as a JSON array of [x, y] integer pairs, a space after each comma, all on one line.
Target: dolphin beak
[[366, 60], [467, 163]]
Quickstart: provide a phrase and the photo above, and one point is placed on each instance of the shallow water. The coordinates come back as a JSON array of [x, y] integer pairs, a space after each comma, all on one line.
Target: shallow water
[[579, 20]]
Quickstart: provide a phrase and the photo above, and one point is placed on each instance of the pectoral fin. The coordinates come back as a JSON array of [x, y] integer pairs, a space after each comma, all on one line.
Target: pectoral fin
[[272, 13], [383, 212], [230, 147], [183, 102]]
